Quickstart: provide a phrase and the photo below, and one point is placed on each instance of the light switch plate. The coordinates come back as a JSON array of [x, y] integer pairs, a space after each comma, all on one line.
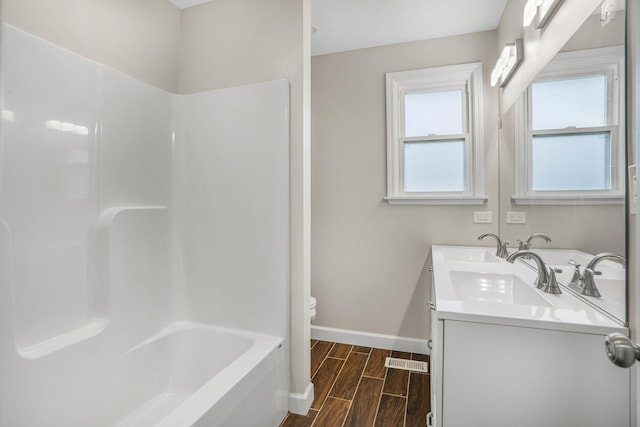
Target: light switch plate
[[516, 218], [482, 217]]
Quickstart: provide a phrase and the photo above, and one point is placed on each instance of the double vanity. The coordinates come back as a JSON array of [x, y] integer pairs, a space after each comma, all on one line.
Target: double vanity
[[505, 353]]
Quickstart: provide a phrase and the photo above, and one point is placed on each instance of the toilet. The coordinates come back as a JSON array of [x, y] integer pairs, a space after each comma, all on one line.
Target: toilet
[[312, 308]]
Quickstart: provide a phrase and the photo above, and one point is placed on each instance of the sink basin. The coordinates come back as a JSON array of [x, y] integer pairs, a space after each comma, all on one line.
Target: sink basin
[[495, 288], [468, 254]]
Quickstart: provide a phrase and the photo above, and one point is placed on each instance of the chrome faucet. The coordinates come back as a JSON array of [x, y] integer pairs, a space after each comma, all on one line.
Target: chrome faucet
[[501, 247], [546, 280], [526, 245], [588, 285]]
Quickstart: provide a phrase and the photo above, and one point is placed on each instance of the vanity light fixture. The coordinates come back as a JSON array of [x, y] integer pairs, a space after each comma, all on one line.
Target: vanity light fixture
[[609, 10], [543, 9], [530, 12], [509, 61], [546, 10]]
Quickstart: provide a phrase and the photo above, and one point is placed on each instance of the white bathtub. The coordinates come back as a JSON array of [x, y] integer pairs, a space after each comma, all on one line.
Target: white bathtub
[[188, 374], [215, 374]]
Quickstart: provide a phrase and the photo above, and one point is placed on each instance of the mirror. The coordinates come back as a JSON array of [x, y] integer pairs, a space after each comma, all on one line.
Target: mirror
[[562, 161]]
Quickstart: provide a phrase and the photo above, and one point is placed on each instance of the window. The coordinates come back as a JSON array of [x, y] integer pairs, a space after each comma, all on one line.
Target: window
[[434, 136], [569, 131]]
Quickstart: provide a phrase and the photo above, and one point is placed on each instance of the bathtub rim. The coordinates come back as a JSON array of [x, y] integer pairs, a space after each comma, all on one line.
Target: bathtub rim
[[214, 389]]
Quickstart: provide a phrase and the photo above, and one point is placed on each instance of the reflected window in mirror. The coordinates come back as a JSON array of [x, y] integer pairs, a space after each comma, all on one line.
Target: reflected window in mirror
[[434, 130], [569, 128]]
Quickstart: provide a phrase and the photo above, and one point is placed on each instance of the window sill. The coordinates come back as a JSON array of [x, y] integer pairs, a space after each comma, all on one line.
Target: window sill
[[436, 201], [564, 200]]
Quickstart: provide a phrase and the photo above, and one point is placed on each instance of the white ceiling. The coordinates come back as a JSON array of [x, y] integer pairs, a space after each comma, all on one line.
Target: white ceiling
[[354, 24], [183, 4]]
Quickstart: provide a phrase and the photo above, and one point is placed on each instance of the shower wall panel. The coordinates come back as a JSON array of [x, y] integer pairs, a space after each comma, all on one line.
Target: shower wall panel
[[86, 151], [136, 143], [85, 236], [135, 274], [47, 198], [234, 209]]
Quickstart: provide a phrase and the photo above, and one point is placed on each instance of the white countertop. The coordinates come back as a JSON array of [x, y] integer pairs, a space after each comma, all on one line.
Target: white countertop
[[611, 283], [564, 312]]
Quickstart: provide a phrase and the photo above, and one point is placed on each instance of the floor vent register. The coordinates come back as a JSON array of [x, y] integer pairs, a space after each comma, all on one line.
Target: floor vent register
[[407, 365]]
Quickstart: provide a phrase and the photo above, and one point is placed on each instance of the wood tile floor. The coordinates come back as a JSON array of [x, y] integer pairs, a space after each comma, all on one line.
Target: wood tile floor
[[354, 389]]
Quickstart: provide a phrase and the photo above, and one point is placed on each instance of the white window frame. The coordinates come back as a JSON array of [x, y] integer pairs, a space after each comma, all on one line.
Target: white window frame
[[468, 78], [609, 61]]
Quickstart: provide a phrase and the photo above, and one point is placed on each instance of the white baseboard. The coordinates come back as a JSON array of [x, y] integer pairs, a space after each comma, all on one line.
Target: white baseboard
[[300, 403], [368, 339]]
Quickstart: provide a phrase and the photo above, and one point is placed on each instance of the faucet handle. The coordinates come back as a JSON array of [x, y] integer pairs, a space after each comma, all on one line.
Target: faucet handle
[[577, 276], [522, 246]]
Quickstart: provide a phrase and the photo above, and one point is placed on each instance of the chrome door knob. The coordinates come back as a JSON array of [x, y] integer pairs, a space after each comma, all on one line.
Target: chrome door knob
[[620, 350]]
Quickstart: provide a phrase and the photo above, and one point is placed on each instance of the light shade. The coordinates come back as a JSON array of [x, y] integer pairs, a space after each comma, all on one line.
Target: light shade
[[546, 10], [530, 12], [509, 61], [609, 10]]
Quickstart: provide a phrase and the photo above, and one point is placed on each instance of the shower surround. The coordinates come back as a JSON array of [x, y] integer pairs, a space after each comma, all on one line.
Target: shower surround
[[144, 247]]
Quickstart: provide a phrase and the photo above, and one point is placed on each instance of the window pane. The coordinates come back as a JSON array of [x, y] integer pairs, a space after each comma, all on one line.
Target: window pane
[[434, 166], [579, 102], [572, 162], [433, 113]]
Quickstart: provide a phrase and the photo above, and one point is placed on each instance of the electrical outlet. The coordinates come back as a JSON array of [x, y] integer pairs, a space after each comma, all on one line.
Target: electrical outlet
[[516, 218], [482, 217]]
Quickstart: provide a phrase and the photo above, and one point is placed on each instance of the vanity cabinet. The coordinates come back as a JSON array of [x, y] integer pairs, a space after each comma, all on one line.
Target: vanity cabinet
[[497, 375], [523, 368]]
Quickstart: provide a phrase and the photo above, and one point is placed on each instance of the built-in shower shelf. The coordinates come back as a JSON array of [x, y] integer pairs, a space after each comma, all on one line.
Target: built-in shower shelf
[[108, 215], [43, 348]]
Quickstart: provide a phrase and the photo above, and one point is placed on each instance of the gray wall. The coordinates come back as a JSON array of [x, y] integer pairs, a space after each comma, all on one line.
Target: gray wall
[[140, 38], [229, 43], [368, 256]]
